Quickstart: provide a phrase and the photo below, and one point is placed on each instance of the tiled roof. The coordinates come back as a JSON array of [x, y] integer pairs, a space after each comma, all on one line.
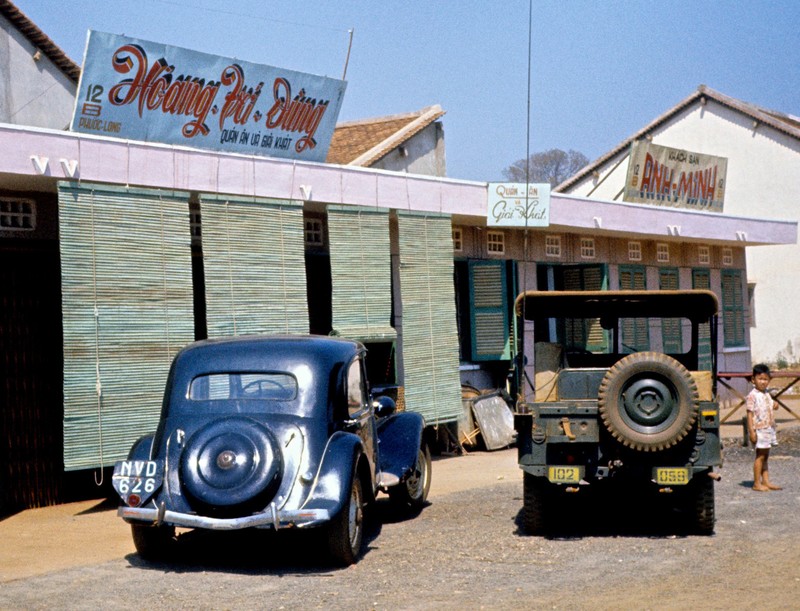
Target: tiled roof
[[40, 40], [783, 122], [364, 142]]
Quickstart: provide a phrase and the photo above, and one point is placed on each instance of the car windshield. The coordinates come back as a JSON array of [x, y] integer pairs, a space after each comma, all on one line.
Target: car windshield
[[270, 386]]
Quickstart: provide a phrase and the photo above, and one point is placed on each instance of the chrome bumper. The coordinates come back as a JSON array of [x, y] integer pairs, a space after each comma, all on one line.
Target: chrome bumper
[[271, 518]]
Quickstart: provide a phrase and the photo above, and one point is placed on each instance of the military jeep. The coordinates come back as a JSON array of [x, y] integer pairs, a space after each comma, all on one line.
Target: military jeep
[[616, 402]]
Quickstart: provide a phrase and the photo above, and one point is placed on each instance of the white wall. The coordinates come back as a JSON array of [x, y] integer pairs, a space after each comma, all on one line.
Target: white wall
[[424, 154], [34, 93], [762, 176]]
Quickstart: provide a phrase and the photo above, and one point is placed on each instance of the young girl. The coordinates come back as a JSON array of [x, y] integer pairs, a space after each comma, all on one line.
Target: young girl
[[761, 426]]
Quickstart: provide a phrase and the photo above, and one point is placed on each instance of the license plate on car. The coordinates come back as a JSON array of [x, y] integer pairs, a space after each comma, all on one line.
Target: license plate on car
[[565, 474], [140, 478], [672, 476]]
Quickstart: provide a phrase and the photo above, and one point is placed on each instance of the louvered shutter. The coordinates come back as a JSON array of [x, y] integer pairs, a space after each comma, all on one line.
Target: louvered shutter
[[732, 308], [127, 307], [585, 333], [429, 332], [701, 279], [671, 332], [361, 273], [489, 311], [254, 264], [635, 332]]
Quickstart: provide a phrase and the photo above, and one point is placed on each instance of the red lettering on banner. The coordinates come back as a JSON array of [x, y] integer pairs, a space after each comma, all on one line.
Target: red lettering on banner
[[300, 114], [155, 89], [239, 101]]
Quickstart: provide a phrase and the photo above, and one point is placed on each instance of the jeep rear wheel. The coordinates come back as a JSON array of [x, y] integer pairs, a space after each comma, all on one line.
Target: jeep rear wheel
[[702, 495], [535, 504], [648, 401]]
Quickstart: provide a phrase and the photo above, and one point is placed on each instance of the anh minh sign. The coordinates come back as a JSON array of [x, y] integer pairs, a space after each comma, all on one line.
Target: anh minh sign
[[142, 90], [664, 176], [517, 204]]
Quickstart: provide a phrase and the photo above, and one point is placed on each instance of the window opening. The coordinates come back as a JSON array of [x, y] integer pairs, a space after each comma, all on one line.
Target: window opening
[[17, 214]]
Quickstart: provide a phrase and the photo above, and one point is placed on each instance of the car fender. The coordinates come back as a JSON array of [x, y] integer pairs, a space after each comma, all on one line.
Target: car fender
[[142, 448], [334, 478], [399, 441]]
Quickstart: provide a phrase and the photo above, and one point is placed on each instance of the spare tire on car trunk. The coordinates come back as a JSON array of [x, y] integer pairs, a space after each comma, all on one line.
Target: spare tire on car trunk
[[648, 401], [232, 463]]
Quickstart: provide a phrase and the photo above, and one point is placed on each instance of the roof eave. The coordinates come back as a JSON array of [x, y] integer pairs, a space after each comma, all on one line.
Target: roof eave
[[428, 116]]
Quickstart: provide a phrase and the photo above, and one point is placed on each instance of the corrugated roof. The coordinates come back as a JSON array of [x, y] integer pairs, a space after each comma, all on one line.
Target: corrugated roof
[[783, 122], [365, 141], [40, 40]]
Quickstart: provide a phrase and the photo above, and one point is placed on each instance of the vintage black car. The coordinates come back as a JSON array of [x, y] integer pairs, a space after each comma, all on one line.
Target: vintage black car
[[275, 433]]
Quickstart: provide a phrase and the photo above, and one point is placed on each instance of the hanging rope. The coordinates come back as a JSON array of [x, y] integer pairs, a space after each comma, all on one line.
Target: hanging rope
[[164, 276], [230, 265], [98, 384]]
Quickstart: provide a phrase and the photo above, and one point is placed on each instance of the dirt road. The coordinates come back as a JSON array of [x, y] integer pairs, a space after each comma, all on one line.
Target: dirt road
[[464, 551]]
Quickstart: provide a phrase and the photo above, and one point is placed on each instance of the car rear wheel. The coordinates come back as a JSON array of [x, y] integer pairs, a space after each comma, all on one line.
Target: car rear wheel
[[648, 401], [535, 504], [413, 492], [345, 532], [153, 542]]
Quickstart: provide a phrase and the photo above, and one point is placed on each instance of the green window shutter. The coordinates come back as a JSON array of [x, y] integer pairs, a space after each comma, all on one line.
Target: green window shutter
[[361, 273], [126, 278], [489, 311], [587, 334], [732, 308], [635, 331], [671, 332], [429, 334], [701, 279], [253, 257]]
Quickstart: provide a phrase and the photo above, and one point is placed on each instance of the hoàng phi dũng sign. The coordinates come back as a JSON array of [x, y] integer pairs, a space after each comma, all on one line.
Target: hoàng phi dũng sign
[[154, 92], [663, 176], [515, 204]]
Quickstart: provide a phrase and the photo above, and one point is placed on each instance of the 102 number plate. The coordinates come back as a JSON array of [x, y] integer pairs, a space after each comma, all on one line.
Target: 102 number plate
[[564, 474]]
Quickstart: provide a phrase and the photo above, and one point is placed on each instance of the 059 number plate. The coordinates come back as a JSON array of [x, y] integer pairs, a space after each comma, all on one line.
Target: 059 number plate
[[672, 476], [565, 474]]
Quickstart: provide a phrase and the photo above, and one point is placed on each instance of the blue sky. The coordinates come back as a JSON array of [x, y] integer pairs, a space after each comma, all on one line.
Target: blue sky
[[599, 70]]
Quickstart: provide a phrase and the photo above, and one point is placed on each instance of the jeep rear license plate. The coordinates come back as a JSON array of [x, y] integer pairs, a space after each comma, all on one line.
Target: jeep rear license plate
[[564, 474], [140, 478], [672, 476]]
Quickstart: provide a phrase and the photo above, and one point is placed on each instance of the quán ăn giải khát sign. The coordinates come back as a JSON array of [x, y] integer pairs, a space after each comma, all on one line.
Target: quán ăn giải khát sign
[[515, 204], [140, 90]]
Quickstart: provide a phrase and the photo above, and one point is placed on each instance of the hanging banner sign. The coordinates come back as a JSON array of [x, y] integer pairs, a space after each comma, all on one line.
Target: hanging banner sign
[[511, 204], [154, 92], [664, 176]]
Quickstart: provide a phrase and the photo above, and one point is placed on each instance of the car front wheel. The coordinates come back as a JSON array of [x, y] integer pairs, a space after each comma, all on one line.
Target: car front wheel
[[346, 530], [413, 492]]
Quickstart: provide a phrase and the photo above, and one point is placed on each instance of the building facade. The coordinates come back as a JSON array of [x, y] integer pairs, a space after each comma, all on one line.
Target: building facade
[[116, 253], [763, 152]]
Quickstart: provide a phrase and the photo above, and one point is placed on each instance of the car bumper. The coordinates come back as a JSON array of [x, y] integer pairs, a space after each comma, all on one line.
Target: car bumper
[[271, 518]]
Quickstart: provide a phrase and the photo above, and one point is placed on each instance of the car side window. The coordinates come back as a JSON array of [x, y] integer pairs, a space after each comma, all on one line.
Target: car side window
[[356, 392]]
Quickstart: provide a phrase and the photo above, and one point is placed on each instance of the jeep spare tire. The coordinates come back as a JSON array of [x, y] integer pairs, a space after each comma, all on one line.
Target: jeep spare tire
[[648, 401], [231, 462]]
